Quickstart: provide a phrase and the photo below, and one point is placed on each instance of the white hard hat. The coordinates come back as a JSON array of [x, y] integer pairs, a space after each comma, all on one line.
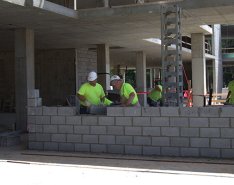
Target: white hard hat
[[114, 77], [92, 76]]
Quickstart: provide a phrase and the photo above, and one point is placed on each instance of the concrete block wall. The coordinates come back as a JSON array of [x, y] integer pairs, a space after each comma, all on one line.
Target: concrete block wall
[[165, 131]]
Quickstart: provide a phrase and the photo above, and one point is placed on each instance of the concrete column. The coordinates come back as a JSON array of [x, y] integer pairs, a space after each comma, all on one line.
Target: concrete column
[[217, 62], [151, 77], [24, 73], [198, 68], [103, 65], [141, 76], [105, 3]]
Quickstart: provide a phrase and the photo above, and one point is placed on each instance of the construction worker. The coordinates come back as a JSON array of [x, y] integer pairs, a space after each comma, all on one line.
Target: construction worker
[[230, 96], [127, 93], [155, 96], [91, 93]]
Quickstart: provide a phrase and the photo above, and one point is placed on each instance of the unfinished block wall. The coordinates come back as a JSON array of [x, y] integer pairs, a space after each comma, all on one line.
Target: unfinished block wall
[[164, 131]]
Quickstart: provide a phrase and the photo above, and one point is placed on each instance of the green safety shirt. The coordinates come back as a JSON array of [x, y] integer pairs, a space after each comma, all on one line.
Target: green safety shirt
[[156, 95], [93, 94], [231, 89], [126, 90]]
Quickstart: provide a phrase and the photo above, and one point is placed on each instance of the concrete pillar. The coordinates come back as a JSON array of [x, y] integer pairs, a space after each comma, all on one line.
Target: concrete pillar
[[141, 76], [24, 73], [151, 77], [105, 3], [198, 68], [103, 65], [217, 62]]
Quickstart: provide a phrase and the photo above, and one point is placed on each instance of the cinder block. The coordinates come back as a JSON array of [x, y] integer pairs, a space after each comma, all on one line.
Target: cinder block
[[32, 137], [67, 147], [34, 111], [151, 151], [140, 140], [115, 149], [58, 120], [159, 121], [227, 132], [115, 130], [199, 142], [33, 93], [65, 129], [51, 146], [90, 139], [34, 102], [220, 143], [150, 111], [98, 130], [179, 122], [209, 132], [169, 111], [66, 111], [189, 152], [31, 120], [179, 141], [81, 129], [115, 111], [35, 145], [133, 150], [82, 147], [133, 131], [50, 129], [151, 131], [210, 152], [43, 137], [227, 112], [170, 151], [209, 111], [170, 131], [132, 111], [141, 121], [198, 122], [189, 132], [72, 138], [106, 120], [31, 128], [189, 111], [227, 153], [219, 122], [39, 128], [98, 148], [107, 139], [73, 120], [124, 121], [50, 111], [232, 122], [58, 137], [89, 120], [160, 141], [124, 140], [43, 120]]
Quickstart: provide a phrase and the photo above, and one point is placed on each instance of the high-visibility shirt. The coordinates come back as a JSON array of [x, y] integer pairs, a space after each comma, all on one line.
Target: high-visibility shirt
[[231, 89], [126, 90], [156, 95], [93, 94]]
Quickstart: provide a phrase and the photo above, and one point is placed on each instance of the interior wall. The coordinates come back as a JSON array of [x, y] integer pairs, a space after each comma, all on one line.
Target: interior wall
[[55, 75]]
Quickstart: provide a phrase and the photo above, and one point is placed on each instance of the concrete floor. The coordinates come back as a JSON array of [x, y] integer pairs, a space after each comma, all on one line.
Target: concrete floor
[[19, 166]]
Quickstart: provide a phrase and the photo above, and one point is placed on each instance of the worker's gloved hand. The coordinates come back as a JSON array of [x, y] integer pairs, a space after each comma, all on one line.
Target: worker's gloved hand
[[87, 103]]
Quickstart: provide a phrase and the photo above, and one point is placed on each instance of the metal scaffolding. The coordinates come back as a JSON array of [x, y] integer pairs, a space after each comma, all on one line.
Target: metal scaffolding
[[171, 52]]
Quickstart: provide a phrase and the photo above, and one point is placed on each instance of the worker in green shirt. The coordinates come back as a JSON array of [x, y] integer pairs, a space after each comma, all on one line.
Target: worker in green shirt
[[91, 93], [230, 96], [127, 92], [155, 96]]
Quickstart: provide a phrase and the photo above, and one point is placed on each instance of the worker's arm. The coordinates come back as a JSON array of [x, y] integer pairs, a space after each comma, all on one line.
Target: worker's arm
[[157, 88], [130, 99], [81, 97]]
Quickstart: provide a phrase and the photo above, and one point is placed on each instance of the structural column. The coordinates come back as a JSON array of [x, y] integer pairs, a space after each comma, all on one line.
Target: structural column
[[103, 65], [217, 62], [24, 73], [198, 68], [141, 76]]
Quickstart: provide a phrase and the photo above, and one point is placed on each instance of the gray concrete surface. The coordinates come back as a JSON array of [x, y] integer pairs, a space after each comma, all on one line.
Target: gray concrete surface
[[19, 166]]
